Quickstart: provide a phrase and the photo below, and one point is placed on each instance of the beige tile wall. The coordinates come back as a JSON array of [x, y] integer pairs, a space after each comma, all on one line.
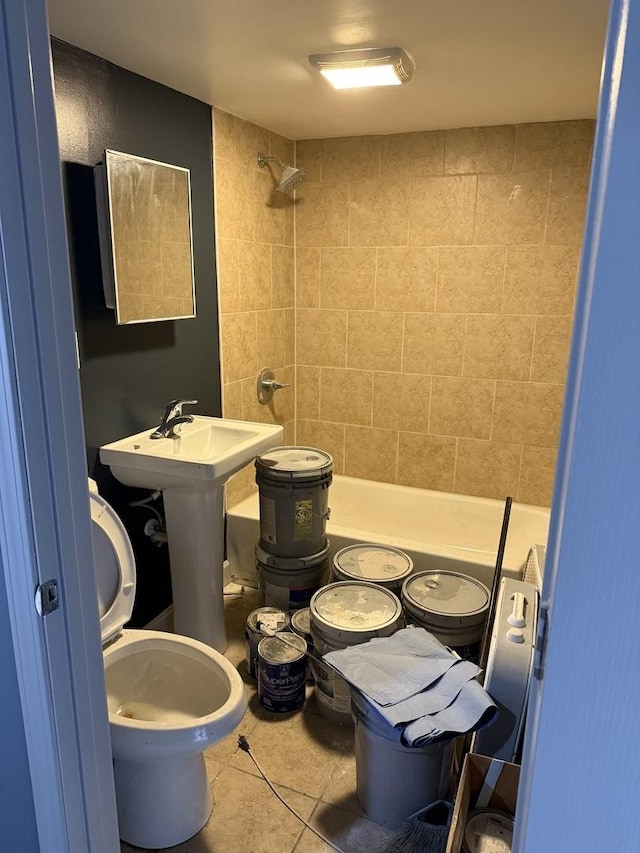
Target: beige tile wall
[[435, 282], [255, 268]]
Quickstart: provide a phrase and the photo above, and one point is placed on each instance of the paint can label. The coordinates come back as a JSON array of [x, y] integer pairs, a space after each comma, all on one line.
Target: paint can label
[[274, 618], [282, 672], [303, 520]]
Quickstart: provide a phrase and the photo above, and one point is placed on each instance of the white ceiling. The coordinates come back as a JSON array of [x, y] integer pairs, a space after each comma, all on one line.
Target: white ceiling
[[477, 63]]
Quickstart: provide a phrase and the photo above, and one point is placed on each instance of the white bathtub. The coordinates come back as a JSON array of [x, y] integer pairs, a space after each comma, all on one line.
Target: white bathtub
[[438, 530]]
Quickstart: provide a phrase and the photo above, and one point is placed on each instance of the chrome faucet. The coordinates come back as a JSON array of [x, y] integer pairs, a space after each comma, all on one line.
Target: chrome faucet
[[172, 418]]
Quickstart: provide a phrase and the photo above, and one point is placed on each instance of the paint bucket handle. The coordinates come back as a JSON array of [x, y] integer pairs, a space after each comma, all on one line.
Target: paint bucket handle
[[269, 632]]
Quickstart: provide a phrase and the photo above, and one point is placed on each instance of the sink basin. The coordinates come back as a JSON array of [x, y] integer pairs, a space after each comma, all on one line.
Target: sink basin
[[202, 456], [191, 470]]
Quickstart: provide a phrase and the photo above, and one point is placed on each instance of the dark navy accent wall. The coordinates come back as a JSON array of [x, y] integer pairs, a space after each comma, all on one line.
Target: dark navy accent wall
[[128, 373]]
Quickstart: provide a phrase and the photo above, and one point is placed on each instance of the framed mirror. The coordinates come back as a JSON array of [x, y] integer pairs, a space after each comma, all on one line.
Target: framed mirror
[[144, 219]]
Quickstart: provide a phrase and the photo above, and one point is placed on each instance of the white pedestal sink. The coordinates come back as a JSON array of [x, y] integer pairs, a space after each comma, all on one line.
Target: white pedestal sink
[[191, 470]]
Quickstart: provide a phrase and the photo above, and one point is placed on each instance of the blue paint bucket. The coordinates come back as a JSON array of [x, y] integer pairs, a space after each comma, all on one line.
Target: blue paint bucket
[[282, 672]]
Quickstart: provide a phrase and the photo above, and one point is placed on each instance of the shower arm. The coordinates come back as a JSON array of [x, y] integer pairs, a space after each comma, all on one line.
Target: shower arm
[[291, 176], [263, 159]]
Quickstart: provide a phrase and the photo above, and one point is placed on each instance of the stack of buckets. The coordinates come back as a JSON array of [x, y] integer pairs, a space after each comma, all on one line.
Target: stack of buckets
[[292, 554], [362, 604]]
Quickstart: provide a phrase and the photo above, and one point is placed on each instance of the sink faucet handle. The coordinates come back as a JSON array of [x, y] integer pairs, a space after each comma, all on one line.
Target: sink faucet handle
[[174, 407], [173, 417]]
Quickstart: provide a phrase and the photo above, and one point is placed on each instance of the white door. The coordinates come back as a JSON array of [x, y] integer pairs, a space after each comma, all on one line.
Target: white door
[[56, 681], [581, 768]]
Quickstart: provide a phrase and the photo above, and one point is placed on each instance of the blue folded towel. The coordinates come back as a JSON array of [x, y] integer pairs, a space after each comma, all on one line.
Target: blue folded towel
[[473, 709], [390, 669], [436, 697], [417, 687]]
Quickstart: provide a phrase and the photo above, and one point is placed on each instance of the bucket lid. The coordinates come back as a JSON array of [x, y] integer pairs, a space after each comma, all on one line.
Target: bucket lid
[[114, 566], [354, 607], [276, 650], [291, 564], [488, 831], [294, 463], [446, 593], [273, 617], [301, 621], [369, 562]]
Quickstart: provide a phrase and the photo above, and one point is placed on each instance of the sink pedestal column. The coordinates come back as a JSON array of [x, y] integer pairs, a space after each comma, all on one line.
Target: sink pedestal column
[[195, 530]]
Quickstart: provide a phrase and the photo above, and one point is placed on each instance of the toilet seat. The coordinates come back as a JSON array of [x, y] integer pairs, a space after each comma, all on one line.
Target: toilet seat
[[115, 568]]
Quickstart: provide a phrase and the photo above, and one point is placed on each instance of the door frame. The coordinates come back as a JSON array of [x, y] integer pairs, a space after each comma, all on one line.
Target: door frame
[[580, 763], [45, 531]]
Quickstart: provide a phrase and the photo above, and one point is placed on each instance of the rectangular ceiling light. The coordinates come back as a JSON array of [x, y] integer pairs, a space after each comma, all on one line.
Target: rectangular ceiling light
[[357, 69]]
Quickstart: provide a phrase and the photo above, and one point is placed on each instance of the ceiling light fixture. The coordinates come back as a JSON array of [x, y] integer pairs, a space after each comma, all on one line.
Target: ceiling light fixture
[[358, 69]]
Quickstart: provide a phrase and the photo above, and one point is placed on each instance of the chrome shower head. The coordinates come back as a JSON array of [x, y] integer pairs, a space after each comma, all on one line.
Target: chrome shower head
[[291, 176]]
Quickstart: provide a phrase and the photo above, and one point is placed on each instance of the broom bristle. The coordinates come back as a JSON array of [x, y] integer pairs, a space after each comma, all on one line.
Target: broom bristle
[[424, 832]]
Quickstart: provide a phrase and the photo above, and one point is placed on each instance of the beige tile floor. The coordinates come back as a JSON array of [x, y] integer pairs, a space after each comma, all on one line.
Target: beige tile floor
[[309, 759]]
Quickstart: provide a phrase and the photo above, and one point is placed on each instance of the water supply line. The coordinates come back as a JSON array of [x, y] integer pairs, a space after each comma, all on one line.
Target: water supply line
[[154, 528]]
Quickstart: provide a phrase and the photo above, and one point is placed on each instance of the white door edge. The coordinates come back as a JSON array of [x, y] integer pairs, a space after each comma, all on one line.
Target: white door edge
[[45, 530]]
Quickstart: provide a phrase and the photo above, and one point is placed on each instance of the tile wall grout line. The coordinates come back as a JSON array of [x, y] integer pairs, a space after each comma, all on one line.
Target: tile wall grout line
[[464, 347], [475, 209], [295, 307], [455, 462], [437, 281], [546, 215], [397, 472], [493, 406], [373, 395], [504, 278], [375, 280], [517, 494], [533, 348], [515, 148]]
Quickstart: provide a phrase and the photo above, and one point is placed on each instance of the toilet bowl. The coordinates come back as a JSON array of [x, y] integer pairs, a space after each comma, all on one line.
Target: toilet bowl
[[169, 698]]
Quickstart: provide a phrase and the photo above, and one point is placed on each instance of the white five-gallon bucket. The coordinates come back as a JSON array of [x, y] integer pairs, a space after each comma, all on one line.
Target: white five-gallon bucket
[[346, 614], [293, 483], [372, 563], [290, 582], [393, 780], [452, 606]]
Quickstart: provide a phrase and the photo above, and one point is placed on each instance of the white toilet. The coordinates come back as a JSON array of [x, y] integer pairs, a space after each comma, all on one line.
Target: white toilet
[[169, 698]]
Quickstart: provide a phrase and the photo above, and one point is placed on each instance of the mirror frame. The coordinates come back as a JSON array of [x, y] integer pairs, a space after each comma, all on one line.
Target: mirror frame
[[104, 178]]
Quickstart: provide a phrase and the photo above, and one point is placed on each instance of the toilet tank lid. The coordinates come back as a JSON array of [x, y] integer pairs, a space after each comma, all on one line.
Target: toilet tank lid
[[114, 567]]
